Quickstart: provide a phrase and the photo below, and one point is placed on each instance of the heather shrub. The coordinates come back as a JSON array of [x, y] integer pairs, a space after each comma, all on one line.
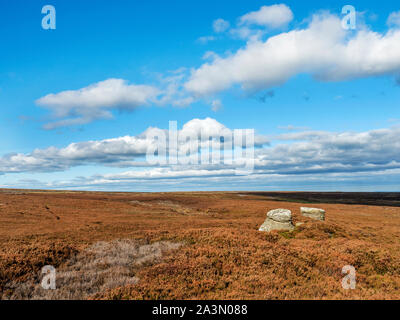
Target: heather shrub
[[102, 266]]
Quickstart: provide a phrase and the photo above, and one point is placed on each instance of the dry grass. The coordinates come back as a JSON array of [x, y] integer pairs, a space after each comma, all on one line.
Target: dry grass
[[224, 257], [102, 266]]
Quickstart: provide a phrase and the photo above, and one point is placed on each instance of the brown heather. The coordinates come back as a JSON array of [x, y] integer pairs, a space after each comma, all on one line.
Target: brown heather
[[191, 246]]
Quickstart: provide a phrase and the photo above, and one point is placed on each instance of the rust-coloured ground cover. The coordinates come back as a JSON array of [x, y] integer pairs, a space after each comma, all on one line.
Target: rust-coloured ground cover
[[224, 256]]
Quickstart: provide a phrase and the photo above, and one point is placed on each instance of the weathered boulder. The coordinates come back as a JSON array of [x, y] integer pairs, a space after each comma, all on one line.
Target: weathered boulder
[[278, 219], [280, 215], [313, 213]]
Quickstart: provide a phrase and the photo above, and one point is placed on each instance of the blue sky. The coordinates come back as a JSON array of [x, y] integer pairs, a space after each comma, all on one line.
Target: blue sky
[[146, 43]]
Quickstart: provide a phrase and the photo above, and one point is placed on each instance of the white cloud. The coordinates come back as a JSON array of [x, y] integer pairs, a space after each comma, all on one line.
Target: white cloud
[[95, 101], [311, 153], [304, 160], [394, 19], [209, 55], [275, 16], [323, 49], [120, 151], [223, 180], [127, 151], [246, 33], [314, 152], [220, 25]]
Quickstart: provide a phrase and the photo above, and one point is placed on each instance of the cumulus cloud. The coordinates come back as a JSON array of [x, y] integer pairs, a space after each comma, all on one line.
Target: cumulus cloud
[[220, 25], [127, 151], [96, 101], [328, 152], [119, 151], [246, 33], [315, 154], [323, 49], [296, 160], [220, 180], [275, 16]]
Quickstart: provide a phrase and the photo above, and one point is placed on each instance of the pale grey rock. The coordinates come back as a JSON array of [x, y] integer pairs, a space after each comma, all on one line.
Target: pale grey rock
[[278, 219], [313, 213], [280, 215], [270, 225]]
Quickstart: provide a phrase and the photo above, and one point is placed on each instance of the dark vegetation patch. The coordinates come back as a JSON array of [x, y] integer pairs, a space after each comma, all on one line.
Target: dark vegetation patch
[[364, 198]]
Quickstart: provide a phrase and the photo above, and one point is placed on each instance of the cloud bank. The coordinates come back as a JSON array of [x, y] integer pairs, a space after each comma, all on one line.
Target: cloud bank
[[287, 158], [127, 151]]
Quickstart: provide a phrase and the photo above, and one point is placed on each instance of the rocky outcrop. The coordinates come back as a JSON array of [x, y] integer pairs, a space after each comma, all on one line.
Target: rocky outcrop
[[313, 213], [278, 219]]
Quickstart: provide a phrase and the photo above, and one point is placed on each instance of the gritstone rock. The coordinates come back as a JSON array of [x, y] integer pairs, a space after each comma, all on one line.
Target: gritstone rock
[[278, 219], [314, 213]]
